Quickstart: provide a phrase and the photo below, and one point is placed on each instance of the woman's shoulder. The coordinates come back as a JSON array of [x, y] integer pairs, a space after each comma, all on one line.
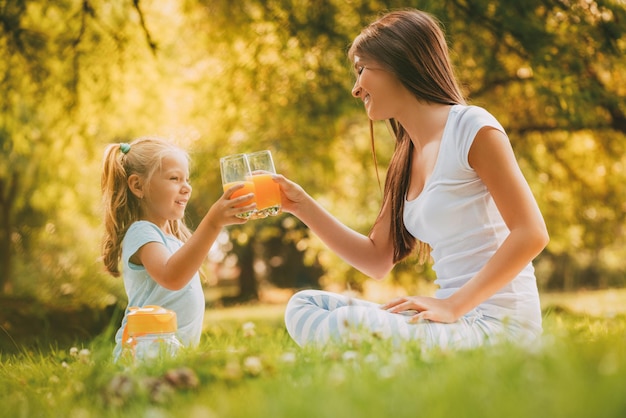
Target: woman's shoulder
[[466, 121], [469, 114], [469, 119]]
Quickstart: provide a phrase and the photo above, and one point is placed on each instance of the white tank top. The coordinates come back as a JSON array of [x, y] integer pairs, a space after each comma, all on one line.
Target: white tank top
[[456, 215]]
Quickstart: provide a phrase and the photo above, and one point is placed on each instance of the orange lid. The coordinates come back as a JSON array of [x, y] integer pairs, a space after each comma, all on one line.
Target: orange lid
[[150, 320]]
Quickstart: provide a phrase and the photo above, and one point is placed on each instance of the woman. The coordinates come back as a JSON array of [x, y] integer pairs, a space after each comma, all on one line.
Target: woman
[[453, 186]]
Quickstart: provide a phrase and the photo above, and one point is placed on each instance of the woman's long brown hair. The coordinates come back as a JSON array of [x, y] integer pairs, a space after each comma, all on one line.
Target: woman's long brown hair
[[411, 45]]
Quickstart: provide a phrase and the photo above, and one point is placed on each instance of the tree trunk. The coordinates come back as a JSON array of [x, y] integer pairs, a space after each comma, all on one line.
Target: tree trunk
[[7, 197]]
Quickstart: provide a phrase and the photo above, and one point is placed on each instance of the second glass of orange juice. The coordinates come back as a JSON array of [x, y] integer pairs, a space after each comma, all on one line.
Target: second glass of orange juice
[[267, 191]]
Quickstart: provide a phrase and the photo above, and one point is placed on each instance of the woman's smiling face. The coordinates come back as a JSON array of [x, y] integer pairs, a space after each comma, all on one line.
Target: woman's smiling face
[[380, 90]]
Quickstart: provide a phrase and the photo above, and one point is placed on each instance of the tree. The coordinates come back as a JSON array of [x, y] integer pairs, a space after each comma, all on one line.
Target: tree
[[223, 77], [54, 73]]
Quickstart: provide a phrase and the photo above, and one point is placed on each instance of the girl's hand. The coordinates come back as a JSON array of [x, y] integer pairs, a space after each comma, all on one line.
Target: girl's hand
[[225, 210], [432, 309], [292, 195]]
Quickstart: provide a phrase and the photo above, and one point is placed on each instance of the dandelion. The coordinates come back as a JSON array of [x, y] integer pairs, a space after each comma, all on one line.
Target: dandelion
[[355, 338], [398, 359], [84, 354], [253, 365], [337, 375], [201, 411], [249, 329], [350, 355], [386, 372], [288, 358], [73, 352], [371, 358], [232, 370]]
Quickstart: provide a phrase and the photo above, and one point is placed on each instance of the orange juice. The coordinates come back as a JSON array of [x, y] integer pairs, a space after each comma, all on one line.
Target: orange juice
[[267, 192], [248, 187]]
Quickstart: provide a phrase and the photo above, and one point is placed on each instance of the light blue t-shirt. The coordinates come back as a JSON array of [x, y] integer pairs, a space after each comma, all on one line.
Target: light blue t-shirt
[[142, 290]]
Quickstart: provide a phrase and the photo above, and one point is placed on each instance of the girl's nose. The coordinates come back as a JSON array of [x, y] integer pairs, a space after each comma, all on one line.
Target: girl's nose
[[356, 90]]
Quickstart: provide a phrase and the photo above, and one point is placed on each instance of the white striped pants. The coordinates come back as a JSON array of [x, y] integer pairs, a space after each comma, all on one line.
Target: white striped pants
[[317, 317]]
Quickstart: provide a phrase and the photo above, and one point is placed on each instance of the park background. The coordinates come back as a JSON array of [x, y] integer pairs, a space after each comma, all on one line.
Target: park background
[[221, 77]]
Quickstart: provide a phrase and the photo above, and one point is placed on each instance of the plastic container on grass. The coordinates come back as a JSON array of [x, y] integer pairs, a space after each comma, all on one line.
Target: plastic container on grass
[[151, 333]]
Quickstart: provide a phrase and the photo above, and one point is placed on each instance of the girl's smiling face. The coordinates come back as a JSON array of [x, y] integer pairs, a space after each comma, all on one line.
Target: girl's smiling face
[[168, 192], [380, 91]]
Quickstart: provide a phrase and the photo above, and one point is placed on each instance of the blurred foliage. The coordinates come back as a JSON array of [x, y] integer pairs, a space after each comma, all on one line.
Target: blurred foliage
[[221, 77]]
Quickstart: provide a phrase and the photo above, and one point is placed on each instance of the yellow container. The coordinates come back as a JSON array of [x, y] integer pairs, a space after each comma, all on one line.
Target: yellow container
[[150, 319]]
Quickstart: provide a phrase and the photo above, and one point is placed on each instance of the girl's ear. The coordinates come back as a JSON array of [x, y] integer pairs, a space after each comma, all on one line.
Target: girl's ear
[[135, 184]]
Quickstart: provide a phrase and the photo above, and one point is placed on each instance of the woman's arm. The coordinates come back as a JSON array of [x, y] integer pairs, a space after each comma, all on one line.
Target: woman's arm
[[372, 255], [491, 156]]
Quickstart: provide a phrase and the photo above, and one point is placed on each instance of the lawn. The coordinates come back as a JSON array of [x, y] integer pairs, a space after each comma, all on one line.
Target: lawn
[[247, 366]]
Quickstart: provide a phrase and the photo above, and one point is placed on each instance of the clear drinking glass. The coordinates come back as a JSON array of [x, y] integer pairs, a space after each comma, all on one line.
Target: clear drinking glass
[[267, 191], [236, 170]]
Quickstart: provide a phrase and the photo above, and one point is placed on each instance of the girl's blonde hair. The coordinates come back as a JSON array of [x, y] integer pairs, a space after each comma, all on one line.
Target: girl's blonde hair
[[411, 45], [121, 207]]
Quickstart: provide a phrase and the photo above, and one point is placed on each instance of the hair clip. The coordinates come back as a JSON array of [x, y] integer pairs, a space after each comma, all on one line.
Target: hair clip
[[124, 147]]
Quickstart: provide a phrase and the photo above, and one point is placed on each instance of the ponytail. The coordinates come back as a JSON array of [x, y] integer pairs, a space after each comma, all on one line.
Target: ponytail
[[121, 207]]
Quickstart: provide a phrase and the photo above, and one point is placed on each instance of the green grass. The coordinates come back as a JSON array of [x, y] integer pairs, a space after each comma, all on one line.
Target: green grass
[[578, 370]]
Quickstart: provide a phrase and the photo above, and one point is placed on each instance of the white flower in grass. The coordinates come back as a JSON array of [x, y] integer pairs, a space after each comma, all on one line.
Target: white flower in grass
[[398, 359], [337, 375], [201, 411], [249, 329], [371, 358], [288, 357], [253, 365], [232, 370], [73, 352], [355, 338], [350, 355], [386, 372]]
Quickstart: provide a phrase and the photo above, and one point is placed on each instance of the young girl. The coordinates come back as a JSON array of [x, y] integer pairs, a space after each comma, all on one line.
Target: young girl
[[453, 186], [146, 188]]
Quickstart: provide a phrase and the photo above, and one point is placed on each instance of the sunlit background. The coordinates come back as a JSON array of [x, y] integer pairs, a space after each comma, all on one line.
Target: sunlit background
[[221, 76]]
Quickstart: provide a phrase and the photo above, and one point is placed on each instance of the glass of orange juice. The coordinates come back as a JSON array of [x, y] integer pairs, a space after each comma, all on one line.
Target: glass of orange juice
[[236, 170], [266, 190]]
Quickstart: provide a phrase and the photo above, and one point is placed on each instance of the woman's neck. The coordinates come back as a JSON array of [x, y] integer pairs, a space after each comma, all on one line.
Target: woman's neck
[[424, 122]]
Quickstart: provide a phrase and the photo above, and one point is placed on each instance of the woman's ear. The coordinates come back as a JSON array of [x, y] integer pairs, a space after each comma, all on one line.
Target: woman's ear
[[135, 184]]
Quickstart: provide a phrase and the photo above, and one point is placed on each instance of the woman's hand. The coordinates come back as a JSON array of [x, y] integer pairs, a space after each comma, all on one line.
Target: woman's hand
[[292, 195], [432, 309]]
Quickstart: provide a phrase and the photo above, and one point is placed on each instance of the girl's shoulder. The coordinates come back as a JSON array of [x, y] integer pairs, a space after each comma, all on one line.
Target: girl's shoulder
[[144, 229], [140, 233], [141, 226]]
